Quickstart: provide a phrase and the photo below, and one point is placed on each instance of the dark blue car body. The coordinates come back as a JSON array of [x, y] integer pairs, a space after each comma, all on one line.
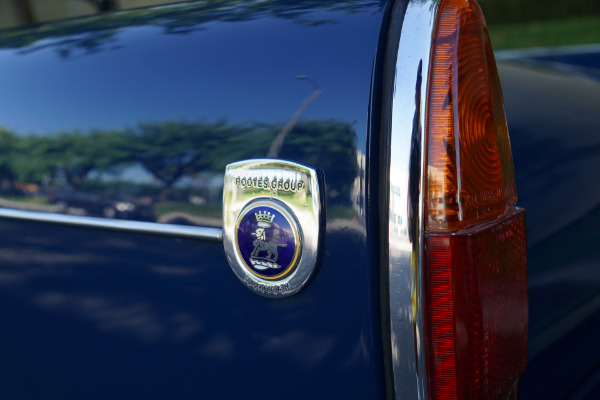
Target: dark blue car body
[[99, 313]]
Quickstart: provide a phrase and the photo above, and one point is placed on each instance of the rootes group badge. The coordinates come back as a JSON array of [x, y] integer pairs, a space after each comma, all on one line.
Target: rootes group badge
[[272, 224]]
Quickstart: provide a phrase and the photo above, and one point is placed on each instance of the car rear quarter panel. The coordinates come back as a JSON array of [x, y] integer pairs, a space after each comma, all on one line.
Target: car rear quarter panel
[[553, 120], [93, 313]]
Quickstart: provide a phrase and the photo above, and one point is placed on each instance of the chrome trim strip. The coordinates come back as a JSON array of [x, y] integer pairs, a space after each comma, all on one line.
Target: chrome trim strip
[[194, 232], [405, 208]]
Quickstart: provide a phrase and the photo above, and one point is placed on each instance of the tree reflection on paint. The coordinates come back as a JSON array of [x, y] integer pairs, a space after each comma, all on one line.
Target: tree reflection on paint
[[166, 171]]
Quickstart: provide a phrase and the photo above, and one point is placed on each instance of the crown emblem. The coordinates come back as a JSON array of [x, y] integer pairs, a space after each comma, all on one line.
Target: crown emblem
[[264, 219]]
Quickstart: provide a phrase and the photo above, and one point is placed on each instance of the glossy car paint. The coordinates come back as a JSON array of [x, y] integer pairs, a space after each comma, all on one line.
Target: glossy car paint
[[92, 313], [553, 120]]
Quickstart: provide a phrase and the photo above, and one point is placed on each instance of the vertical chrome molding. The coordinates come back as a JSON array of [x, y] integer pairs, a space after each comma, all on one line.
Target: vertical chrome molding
[[406, 178]]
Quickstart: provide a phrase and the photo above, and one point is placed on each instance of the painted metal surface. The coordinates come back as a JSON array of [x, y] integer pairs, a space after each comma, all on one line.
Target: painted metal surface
[[553, 119], [116, 128], [95, 313]]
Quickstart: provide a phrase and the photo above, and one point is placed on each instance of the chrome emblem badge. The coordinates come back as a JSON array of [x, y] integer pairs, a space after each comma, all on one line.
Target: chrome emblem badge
[[272, 224]]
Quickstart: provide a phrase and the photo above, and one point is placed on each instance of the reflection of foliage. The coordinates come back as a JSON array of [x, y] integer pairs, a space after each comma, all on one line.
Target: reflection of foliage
[[331, 146], [250, 141], [170, 151], [119, 189], [75, 155], [8, 150], [92, 34], [33, 165], [516, 11]]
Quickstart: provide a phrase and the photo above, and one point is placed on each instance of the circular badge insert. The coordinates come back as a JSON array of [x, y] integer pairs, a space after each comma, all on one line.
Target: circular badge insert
[[268, 240]]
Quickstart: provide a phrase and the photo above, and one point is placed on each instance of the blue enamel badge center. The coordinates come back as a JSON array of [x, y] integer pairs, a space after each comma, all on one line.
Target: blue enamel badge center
[[268, 239]]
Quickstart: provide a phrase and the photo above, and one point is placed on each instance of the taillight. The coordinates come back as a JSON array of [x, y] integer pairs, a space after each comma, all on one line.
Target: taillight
[[476, 309], [474, 255], [470, 175]]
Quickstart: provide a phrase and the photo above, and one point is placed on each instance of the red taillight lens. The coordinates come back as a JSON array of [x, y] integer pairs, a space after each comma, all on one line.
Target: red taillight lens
[[476, 309], [475, 254]]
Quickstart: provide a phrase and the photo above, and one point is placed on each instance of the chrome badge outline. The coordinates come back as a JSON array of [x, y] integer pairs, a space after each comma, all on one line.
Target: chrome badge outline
[[272, 224]]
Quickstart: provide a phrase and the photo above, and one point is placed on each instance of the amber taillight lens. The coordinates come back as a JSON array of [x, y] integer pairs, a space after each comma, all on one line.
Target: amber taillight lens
[[470, 174], [475, 251]]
